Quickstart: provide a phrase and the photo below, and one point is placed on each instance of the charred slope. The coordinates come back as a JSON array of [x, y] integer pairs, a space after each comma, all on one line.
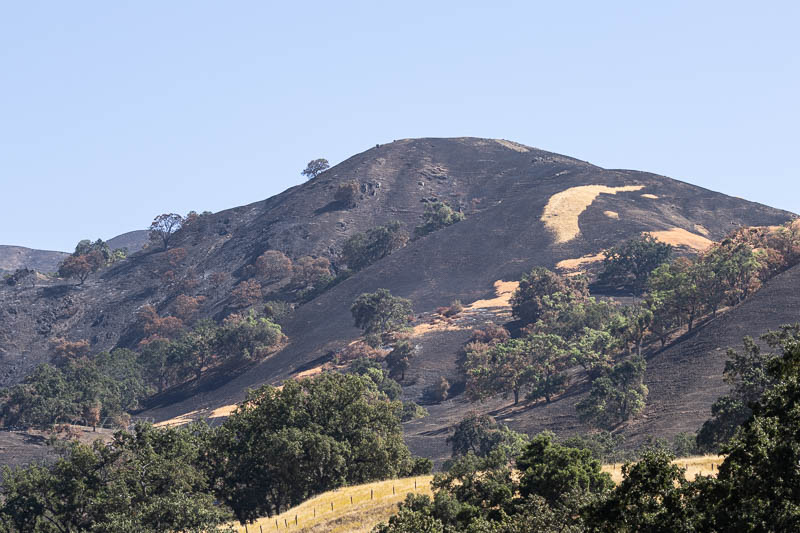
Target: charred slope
[[14, 257], [505, 192], [525, 207]]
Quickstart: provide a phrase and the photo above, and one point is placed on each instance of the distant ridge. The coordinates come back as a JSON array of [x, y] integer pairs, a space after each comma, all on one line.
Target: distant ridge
[[46, 261], [14, 257]]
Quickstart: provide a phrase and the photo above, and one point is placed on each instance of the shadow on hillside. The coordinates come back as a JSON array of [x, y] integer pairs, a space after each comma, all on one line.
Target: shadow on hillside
[[210, 381], [59, 291]]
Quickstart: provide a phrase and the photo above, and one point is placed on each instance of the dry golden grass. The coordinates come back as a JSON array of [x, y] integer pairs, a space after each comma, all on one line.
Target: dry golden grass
[[702, 230], [706, 465], [501, 303], [364, 513], [512, 145], [563, 209], [504, 290], [681, 237], [576, 264]]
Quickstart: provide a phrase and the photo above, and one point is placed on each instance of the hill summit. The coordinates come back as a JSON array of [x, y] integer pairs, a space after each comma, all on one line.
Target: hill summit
[[523, 207]]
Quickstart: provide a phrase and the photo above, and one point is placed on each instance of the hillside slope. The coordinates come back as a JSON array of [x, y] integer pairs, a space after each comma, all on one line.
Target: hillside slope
[[524, 207], [14, 257]]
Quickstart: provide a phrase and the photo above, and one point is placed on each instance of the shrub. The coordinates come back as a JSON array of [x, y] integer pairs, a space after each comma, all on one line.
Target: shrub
[[273, 264], [437, 215], [247, 293]]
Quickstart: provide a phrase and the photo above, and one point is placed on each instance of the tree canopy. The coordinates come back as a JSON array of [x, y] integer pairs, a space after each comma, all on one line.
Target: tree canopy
[[315, 167], [379, 312]]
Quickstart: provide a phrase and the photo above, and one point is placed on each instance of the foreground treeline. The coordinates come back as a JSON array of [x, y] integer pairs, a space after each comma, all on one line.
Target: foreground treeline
[[282, 446], [562, 326], [545, 486], [83, 387]]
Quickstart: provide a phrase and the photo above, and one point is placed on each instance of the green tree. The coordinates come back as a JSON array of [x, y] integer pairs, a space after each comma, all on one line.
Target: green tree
[[198, 349], [315, 167], [481, 435], [248, 336], [146, 481], [503, 368], [437, 215], [379, 312], [554, 471], [616, 396], [746, 372], [758, 485], [541, 289], [675, 286], [549, 356], [283, 445], [629, 265], [399, 359], [653, 496]]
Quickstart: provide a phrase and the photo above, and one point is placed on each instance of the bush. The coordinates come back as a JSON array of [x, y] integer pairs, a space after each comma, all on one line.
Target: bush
[[451, 310], [273, 265], [412, 411], [439, 391], [437, 215], [490, 334], [277, 310], [357, 350]]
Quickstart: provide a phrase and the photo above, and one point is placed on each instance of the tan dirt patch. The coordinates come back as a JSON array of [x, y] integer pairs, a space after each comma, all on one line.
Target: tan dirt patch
[[651, 196], [576, 264], [504, 291], [563, 209], [611, 214], [681, 237], [512, 145]]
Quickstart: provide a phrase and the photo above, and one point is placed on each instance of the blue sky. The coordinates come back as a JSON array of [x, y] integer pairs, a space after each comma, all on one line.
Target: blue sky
[[113, 112]]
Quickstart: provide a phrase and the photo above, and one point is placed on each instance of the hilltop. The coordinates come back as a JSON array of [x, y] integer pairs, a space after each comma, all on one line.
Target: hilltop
[[524, 207]]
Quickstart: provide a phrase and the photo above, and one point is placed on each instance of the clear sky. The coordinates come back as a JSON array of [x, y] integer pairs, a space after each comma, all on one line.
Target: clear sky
[[113, 112]]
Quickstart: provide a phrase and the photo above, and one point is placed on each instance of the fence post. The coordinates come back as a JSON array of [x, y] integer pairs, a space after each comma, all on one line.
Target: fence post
[[261, 528], [286, 523], [331, 506], [295, 519], [371, 494], [351, 500], [393, 490]]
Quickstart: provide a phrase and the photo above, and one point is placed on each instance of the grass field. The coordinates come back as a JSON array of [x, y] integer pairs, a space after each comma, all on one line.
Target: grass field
[[373, 503], [701, 465]]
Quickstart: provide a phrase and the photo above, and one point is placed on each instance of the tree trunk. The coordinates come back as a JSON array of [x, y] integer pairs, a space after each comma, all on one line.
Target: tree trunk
[[516, 396]]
